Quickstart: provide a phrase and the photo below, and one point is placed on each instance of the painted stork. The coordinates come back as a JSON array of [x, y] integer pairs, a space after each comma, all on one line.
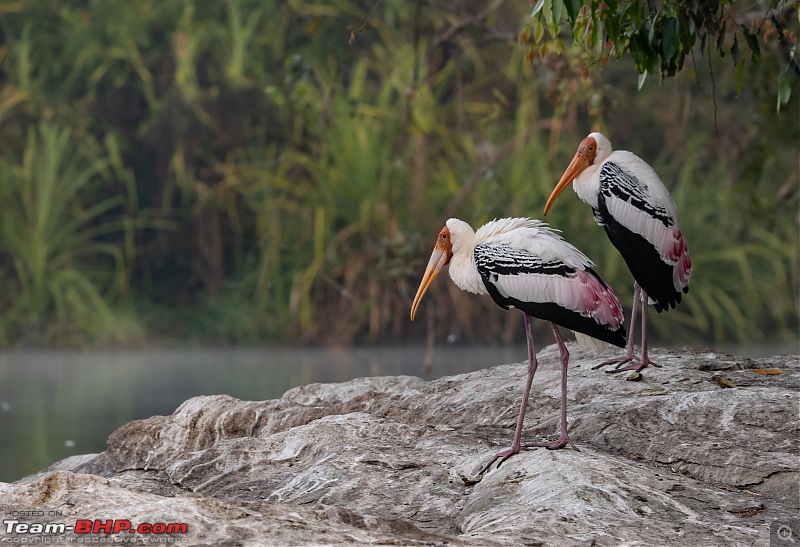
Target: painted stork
[[641, 220], [523, 264]]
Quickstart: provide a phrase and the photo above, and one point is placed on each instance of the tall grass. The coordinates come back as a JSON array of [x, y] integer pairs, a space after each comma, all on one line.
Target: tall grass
[[54, 238]]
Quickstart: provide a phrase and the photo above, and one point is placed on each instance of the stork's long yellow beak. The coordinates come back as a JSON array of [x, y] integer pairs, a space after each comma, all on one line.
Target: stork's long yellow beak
[[576, 167], [438, 259]]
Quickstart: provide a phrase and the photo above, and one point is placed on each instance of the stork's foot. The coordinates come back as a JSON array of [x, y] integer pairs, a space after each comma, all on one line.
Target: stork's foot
[[503, 455], [619, 361], [561, 442], [636, 365]]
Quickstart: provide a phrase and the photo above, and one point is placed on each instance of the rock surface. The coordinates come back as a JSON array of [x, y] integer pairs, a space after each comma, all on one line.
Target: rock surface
[[676, 457]]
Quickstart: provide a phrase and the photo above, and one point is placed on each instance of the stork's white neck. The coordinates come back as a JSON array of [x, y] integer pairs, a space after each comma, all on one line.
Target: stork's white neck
[[462, 268], [587, 185]]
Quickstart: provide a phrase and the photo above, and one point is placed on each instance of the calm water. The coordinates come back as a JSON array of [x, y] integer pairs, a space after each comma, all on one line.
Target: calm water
[[55, 404]]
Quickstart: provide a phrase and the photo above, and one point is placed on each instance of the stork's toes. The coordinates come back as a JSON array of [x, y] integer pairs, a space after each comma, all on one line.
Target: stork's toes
[[637, 365], [619, 361], [561, 442], [503, 455]]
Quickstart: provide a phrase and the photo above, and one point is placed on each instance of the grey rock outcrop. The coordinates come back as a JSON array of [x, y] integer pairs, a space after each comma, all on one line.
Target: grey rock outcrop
[[676, 457]]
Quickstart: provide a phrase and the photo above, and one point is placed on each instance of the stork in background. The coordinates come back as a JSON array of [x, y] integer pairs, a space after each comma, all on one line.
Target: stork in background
[[640, 218], [523, 264]]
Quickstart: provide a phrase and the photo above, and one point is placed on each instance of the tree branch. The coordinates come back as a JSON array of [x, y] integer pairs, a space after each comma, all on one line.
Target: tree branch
[[360, 29]]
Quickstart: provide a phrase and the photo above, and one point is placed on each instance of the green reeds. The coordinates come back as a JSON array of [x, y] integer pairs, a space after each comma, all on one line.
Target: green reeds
[[53, 237]]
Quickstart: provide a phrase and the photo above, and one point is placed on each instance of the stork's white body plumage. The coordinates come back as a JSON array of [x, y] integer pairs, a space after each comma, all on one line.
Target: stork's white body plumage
[[643, 205], [533, 254], [531, 236], [641, 220], [521, 263]]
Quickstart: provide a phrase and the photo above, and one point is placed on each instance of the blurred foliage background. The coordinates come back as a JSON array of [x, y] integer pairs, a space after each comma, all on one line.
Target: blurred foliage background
[[238, 172]]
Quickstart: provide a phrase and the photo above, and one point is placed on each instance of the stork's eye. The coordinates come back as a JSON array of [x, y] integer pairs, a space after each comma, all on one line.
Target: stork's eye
[[591, 148]]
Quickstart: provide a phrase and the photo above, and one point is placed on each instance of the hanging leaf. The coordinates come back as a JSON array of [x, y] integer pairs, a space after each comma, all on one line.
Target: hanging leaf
[[537, 8], [642, 78], [549, 19], [612, 27], [752, 41], [721, 41], [591, 40], [686, 33], [638, 56], [538, 32], [524, 35], [778, 25], [669, 38], [558, 8], [784, 90], [530, 55], [630, 14], [644, 56], [703, 39], [650, 62], [573, 7], [735, 48]]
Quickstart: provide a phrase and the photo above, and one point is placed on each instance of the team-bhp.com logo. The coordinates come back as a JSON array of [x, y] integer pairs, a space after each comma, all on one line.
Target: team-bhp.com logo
[[19, 532]]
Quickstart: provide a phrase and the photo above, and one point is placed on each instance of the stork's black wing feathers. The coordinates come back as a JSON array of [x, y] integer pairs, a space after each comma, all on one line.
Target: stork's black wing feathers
[[616, 181], [494, 261], [642, 258]]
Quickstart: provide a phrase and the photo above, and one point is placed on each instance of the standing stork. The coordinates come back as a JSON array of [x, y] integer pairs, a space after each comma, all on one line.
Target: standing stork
[[523, 264], [641, 220]]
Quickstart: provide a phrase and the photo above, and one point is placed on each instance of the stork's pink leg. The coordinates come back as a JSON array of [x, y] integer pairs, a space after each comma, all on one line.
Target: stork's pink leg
[[563, 438], [629, 355], [516, 443], [637, 364]]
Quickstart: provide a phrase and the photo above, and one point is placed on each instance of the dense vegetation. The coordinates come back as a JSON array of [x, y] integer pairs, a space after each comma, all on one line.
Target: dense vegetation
[[238, 172], [661, 37]]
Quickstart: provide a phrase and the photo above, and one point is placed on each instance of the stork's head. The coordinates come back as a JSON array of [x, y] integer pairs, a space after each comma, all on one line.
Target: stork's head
[[442, 253], [593, 150], [602, 147]]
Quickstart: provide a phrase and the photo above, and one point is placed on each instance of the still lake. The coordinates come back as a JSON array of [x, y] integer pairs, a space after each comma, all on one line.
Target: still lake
[[55, 404]]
